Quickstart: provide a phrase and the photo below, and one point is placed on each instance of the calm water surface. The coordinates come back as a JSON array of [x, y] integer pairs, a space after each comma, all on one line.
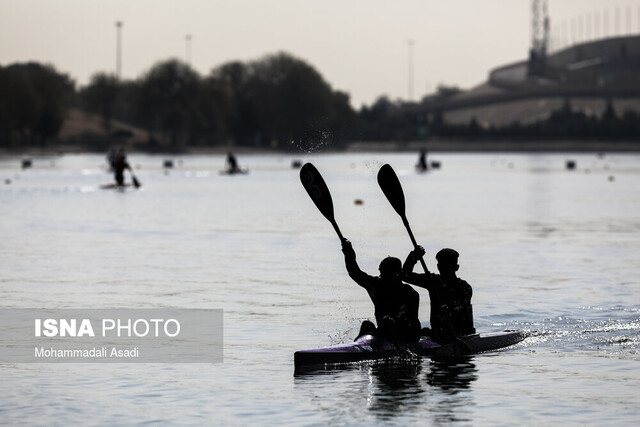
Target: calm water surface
[[551, 251]]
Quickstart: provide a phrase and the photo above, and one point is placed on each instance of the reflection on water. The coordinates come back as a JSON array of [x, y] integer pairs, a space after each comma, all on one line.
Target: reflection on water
[[435, 386], [393, 390], [452, 376], [452, 380]]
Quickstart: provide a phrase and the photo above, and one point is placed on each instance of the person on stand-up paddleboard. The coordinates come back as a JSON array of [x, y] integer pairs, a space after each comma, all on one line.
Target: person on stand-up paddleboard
[[396, 303], [232, 163], [451, 310], [422, 165], [119, 165]]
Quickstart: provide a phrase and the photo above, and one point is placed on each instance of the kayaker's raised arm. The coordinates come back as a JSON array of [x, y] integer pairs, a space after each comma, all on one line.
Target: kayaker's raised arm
[[407, 269], [359, 276]]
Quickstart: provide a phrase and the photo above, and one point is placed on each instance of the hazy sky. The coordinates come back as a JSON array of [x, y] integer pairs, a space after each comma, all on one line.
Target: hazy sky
[[359, 46]]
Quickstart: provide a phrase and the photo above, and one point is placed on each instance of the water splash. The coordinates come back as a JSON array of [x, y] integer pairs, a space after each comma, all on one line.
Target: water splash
[[610, 332], [313, 144]]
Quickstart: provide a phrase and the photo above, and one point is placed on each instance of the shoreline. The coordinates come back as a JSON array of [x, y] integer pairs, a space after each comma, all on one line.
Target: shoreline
[[439, 146]]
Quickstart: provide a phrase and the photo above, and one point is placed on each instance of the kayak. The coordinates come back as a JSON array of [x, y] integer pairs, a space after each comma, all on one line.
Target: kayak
[[234, 172], [369, 347]]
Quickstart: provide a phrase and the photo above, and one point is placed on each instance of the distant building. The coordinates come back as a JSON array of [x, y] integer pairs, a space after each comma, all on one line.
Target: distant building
[[589, 75]]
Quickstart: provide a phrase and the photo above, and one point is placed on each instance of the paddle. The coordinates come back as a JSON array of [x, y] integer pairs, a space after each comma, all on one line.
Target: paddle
[[136, 183], [392, 189], [317, 189]]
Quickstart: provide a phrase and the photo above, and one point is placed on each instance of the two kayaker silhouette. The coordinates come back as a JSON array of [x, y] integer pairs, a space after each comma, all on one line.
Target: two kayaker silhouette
[[396, 302]]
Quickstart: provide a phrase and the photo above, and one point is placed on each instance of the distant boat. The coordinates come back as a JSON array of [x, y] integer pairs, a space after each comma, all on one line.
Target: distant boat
[[422, 168], [239, 171]]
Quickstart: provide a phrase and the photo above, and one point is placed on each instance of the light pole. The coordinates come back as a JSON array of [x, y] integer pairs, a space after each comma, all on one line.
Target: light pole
[[410, 69], [188, 39], [119, 50]]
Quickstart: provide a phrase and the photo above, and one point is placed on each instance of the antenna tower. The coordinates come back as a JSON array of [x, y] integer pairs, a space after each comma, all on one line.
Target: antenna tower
[[539, 37], [539, 27]]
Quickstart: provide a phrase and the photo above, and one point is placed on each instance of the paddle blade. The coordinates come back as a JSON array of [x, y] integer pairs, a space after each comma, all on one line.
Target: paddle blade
[[136, 183], [390, 185], [317, 189]]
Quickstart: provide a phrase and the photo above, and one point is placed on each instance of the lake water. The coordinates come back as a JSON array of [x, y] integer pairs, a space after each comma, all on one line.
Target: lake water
[[552, 251]]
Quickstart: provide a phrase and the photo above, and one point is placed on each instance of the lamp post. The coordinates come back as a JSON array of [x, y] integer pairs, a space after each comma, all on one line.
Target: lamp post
[[188, 39], [119, 50], [410, 69]]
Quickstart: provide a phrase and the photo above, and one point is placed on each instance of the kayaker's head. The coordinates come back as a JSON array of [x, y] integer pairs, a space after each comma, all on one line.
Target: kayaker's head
[[447, 261], [390, 268]]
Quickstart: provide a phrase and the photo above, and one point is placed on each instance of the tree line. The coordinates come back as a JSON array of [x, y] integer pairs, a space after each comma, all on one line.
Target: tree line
[[278, 101]]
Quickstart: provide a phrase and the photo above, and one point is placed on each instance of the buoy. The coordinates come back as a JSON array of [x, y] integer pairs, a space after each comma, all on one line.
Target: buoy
[[435, 164], [358, 202], [168, 163], [296, 164], [26, 163], [570, 164]]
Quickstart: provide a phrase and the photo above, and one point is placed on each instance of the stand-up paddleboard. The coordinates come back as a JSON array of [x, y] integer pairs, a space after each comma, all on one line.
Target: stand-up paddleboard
[[114, 186]]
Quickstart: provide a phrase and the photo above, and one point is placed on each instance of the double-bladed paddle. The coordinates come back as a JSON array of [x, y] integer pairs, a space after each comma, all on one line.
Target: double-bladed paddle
[[317, 189], [392, 189]]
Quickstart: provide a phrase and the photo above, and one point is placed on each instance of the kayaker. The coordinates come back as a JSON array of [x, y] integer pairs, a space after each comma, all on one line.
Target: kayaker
[[451, 310], [119, 165], [396, 303], [422, 161], [232, 163]]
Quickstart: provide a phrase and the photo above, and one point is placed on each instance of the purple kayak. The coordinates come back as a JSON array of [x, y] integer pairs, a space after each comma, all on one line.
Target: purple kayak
[[369, 347]]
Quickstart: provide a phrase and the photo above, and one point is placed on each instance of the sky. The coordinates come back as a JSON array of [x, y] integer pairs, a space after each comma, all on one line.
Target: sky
[[402, 49]]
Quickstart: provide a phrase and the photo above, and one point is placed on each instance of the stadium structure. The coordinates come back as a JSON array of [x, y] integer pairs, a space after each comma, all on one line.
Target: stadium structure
[[588, 75]]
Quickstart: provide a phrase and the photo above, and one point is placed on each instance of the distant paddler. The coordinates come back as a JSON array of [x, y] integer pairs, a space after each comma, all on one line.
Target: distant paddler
[[422, 165], [119, 165], [232, 165]]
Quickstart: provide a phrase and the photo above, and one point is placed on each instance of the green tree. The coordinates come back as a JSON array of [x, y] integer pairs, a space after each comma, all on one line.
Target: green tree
[[19, 107], [239, 108], [166, 102], [36, 99], [100, 97], [292, 100]]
